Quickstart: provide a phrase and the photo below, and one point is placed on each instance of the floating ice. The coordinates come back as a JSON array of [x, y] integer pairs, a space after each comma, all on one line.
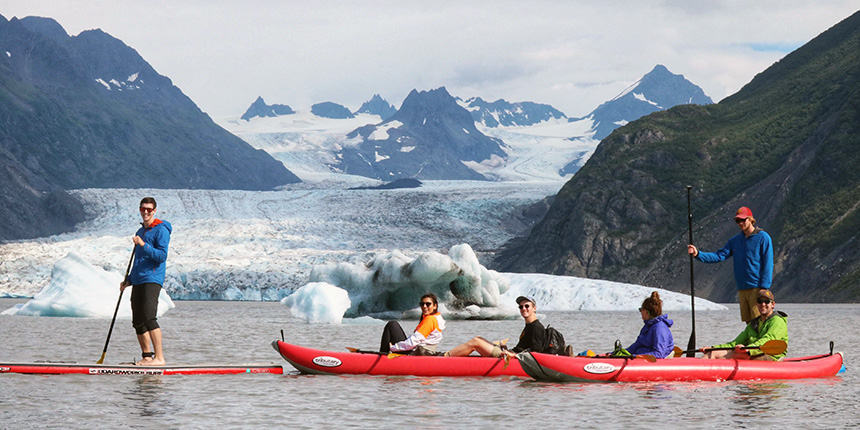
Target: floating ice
[[395, 282], [390, 285], [79, 289], [568, 293], [318, 302]]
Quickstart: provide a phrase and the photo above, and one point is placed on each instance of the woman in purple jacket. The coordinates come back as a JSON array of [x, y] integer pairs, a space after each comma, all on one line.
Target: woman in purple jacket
[[655, 338]]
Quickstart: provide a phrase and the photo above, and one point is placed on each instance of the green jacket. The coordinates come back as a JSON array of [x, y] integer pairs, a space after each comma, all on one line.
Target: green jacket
[[757, 333]]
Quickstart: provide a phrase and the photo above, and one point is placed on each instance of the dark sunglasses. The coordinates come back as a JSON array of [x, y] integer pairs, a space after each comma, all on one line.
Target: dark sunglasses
[[428, 304], [741, 220], [763, 301], [525, 306], [143, 209]]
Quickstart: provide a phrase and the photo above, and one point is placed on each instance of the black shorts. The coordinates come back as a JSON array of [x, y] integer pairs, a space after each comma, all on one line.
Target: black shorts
[[144, 307]]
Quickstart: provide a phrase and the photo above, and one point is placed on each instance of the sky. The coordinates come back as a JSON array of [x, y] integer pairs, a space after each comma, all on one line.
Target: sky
[[571, 54]]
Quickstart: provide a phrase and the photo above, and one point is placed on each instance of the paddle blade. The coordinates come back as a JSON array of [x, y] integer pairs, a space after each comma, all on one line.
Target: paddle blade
[[677, 352], [507, 361], [774, 347], [102, 360], [351, 349], [691, 345], [647, 357], [392, 355]]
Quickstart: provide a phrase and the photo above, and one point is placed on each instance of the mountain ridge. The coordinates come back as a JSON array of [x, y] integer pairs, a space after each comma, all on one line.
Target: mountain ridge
[[429, 137], [784, 145], [83, 112]]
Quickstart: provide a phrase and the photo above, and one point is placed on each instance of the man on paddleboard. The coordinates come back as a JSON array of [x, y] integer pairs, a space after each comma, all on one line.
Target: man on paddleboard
[[752, 254], [147, 277]]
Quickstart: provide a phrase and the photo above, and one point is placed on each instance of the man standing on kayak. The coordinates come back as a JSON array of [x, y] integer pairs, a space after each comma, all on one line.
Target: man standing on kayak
[[752, 253], [769, 325], [147, 278]]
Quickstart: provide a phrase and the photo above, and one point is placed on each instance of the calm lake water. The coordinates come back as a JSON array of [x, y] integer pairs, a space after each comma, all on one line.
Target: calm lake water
[[241, 332]]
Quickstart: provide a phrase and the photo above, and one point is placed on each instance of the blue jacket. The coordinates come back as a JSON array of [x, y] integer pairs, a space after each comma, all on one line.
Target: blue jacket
[[150, 260], [754, 259], [655, 338]]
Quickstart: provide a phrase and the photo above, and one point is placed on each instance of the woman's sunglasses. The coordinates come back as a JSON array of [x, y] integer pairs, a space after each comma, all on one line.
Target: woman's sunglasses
[[427, 304]]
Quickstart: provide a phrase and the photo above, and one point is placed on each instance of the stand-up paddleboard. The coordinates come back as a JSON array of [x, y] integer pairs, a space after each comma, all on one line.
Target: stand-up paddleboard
[[56, 367]]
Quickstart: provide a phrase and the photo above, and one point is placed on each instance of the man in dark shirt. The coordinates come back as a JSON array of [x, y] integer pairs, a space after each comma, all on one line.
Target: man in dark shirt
[[531, 339]]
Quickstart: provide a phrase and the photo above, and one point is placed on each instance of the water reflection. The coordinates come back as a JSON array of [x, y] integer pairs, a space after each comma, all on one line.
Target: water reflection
[[148, 397], [655, 391], [754, 400]]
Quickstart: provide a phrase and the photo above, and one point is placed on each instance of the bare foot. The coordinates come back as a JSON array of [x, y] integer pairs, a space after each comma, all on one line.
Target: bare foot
[[145, 361], [150, 362]]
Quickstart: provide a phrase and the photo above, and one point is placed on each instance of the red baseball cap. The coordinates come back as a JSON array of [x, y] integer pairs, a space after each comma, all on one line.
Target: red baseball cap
[[743, 213]]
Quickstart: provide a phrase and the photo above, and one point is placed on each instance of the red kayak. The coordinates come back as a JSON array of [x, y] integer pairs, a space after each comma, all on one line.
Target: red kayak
[[546, 367], [309, 360], [130, 369]]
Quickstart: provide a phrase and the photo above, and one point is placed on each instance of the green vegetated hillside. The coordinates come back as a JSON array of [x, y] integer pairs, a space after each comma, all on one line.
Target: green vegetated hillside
[[787, 145]]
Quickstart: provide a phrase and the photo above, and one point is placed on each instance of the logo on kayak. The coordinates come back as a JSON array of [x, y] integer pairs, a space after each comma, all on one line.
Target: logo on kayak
[[326, 361], [599, 368], [124, 371]]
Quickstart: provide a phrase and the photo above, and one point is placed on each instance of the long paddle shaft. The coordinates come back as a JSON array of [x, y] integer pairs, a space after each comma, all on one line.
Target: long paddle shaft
[[692, 344], [115, 311], [771, 347]]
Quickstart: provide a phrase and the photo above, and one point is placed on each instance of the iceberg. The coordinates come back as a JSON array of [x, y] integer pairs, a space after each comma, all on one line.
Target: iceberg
[[79, 289], [390, 285], [318, 302], [393, 282]]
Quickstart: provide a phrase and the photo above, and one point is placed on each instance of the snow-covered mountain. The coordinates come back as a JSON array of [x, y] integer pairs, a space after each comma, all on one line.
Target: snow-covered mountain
[[377, 106], [658, 90], [260, 109], [504, 141], [331, 110], [308, 144], [430, 137], [504, 113]]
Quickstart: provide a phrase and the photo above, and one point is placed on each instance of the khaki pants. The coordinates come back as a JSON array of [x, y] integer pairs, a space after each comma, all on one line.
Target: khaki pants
[[747, 300]]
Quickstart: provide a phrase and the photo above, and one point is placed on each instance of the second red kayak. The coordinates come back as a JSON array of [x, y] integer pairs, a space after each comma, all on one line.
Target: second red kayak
[[546, 367]]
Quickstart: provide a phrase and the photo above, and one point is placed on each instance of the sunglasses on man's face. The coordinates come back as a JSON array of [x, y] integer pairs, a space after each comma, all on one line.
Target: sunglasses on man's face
[[525, 306], [740, 220], [763, 301], [144, 209], [425, 304]]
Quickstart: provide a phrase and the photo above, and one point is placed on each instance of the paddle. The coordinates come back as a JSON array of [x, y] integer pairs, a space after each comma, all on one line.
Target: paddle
[[647, 357], [692, 343], [118, 301], [771, 347], [362, 351]]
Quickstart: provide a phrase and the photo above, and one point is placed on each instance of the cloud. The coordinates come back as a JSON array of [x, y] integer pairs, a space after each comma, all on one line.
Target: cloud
[[572, 54]]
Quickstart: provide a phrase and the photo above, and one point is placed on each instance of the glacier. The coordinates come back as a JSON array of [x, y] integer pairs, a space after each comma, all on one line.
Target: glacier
[[323, 241]]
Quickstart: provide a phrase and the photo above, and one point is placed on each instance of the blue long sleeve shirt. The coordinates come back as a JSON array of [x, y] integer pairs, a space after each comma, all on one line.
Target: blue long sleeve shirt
[[752, 258], [150, 260]]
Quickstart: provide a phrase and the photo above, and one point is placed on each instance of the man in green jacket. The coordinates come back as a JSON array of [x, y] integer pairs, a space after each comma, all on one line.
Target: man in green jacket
[[769, 325]]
